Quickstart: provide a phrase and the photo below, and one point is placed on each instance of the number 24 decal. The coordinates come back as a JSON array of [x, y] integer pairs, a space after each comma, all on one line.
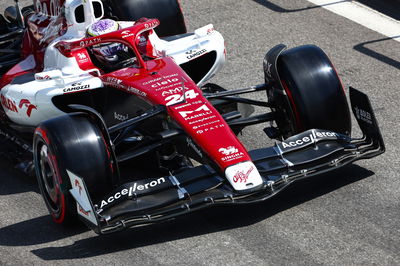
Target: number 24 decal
[[176, 98]]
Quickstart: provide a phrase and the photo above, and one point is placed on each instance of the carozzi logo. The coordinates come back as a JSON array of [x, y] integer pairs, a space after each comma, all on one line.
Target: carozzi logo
[[194, 53], [76, 87]]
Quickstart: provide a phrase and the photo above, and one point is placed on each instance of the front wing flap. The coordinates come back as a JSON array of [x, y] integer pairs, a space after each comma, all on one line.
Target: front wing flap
[[307, 154]]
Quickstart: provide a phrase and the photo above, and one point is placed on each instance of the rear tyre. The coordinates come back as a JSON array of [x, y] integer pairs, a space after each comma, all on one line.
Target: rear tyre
[[73, 143], [168, 12], [315, 96]]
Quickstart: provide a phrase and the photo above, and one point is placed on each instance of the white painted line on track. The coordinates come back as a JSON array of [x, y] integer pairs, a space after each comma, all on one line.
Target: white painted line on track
[[363, 15]]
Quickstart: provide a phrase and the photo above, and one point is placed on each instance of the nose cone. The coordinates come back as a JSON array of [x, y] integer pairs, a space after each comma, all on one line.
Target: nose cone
[[243, 176]]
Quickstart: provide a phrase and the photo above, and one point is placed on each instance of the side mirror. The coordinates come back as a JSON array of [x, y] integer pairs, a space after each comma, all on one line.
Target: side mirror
[[11, 14]]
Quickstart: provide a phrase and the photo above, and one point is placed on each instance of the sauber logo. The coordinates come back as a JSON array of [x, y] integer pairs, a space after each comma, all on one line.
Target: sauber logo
[[26, 103], [228, 151], [242, 177]]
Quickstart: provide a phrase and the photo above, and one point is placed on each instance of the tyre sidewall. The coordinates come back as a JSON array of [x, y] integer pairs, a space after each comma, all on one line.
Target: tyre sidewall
[[313, 90], [77, 145]]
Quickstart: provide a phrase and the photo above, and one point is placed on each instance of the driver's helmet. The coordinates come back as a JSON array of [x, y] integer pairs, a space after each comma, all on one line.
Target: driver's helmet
[[106, 52]]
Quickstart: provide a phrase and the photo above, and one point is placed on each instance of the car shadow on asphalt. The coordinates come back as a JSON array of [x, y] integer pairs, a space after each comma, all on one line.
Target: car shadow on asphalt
[[276, 8], [15, 181], [41, 230], [388, 7], [362, 48], [37, 231]]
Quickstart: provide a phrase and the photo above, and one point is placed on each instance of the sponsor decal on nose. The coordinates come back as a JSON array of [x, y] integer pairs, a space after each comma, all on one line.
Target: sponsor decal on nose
[[243, 176]]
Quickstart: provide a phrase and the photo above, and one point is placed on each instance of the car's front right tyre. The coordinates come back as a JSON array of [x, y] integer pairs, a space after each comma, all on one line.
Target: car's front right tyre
[[74, 143]]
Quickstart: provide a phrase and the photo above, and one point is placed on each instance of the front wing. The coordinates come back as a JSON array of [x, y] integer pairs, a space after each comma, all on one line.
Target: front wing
[[156, 199]]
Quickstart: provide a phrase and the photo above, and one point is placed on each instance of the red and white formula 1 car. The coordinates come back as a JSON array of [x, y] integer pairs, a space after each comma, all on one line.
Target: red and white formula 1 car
[[144, 138]]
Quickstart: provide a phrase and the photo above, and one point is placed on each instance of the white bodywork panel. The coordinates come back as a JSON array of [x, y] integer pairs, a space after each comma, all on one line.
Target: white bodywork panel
[[243, 176]]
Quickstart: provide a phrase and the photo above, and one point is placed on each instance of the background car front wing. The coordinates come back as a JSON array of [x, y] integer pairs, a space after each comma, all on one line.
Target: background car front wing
[[307, 154]]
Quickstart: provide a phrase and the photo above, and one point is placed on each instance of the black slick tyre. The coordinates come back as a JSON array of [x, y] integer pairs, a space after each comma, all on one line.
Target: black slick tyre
[[315, 96], [71, 142]]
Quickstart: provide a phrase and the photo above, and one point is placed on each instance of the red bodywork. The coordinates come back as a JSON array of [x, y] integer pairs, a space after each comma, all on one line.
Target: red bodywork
[[160, 82]]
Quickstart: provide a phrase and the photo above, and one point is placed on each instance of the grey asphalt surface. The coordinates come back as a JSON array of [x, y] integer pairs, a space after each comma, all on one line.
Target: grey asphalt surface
[[350, 216]]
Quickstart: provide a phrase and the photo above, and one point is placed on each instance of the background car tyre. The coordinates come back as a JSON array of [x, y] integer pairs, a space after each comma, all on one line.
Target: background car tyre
[[168, 12], [73, 143], [315, 97]]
